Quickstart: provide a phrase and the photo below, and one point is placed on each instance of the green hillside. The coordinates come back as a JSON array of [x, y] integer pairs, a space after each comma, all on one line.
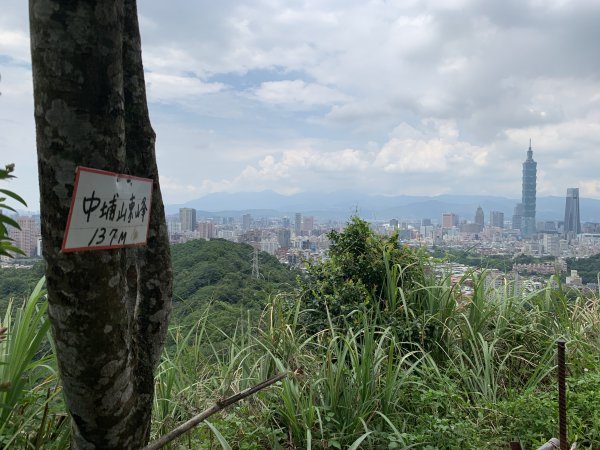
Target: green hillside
[[218, 273], [18, 283], [587, 268]]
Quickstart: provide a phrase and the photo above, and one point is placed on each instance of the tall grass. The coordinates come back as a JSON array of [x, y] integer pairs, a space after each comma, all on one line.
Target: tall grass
[[461, 384], [414, 365], [30, 403]]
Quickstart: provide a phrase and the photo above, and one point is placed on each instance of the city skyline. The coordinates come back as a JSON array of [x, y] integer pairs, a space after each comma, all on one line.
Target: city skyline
[[416, 98]]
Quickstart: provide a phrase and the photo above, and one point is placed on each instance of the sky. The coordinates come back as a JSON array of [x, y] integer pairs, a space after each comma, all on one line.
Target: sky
[[415, 97]]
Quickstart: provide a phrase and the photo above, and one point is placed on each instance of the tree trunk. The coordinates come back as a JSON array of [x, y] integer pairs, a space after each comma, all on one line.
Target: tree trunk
[[109, 309]]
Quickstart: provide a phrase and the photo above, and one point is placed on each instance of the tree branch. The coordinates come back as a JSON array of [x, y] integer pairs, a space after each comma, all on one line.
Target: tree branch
[[221, 404]]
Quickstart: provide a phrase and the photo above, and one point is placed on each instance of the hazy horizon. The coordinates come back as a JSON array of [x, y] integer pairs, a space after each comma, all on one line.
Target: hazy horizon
[[342, 204]]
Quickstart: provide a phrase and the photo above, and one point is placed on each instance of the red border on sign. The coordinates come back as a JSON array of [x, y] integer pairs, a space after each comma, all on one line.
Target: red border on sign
[[80, 169]]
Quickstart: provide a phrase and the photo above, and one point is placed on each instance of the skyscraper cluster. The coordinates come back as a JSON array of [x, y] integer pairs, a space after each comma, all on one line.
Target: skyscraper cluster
[[524, 214]]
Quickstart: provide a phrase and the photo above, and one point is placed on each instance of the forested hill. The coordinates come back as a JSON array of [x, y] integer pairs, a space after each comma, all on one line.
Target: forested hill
[[587, 268], [18, 283], [216, 272], [219, 272]]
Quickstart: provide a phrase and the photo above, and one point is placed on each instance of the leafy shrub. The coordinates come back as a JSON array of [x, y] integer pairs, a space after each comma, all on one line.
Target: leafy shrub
[[6, 247], [31, 408], [363, 271]]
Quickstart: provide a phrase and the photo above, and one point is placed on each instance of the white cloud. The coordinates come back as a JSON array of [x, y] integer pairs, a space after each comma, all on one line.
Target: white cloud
[[289, 171], [295, 163], [15, 43], [165, 58], [170, 186], [590, 188], [171, 88], [435, 149], [297, 94]]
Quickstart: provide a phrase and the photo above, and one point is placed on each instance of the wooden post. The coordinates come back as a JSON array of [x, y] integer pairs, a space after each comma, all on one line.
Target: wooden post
[[562, 396]]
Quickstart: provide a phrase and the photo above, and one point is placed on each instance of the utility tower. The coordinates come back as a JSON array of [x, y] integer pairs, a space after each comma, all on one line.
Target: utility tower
[[255, 271]]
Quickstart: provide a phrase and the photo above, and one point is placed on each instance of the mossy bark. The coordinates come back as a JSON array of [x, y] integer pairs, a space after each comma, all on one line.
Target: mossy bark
[[109, 309]]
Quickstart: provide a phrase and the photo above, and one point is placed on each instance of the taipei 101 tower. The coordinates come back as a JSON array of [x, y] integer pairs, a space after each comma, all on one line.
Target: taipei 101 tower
[[528, 198]]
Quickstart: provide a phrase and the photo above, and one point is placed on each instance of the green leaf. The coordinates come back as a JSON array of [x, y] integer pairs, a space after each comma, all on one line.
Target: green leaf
[[5, 173], [7, 207], [9, 221], [357, 442], [14, 196], [6, 249], [13, 249], [219, 436]]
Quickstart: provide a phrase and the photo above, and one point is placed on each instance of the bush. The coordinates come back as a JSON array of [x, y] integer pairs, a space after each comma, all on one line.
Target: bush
[[6, 247], [363, 272]]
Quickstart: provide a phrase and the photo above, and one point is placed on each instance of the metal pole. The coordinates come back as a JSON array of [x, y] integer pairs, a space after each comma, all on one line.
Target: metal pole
[[562, 396]]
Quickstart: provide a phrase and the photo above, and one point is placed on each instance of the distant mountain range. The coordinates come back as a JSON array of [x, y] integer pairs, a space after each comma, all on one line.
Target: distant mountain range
[[341, 205]]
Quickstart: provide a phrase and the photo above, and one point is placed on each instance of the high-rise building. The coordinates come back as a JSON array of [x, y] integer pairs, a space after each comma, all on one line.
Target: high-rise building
[[528, 194], [572, 225], [449, 220], [497, 219], [551, 244], [187, 217], [479, 217], [517, 217], [471, 228], [246, 221], [298, 224], [173, 225], [308, 224], [27, 237], [394, 224], [269, 245], [206, 230], [284, 238]]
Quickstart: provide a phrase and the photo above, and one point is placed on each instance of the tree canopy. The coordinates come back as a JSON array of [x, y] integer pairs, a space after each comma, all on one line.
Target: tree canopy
[[6, 246], [217, 274]]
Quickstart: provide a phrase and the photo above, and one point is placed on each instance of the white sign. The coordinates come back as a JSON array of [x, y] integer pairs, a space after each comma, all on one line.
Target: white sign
[[108, 210]]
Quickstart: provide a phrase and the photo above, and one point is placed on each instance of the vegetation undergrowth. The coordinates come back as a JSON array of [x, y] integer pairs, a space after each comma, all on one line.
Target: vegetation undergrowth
[[399, 360], [392, 358], [6, 246], [365, 384], [31, 409]]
